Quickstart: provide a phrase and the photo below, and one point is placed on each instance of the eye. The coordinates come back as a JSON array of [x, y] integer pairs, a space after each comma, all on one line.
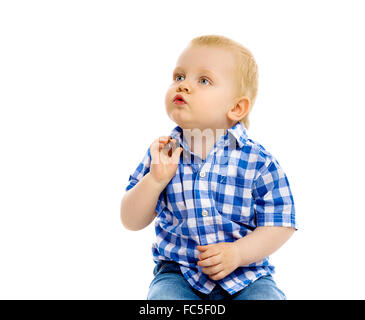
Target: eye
[[177, 76], [207, 81]]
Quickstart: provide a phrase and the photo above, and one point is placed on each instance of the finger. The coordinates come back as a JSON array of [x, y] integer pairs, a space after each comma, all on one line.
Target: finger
[[211, 261], [175, 157], [206, 247], [207, 254], [203, 248], [164, 142], [164, 139], [218, 276], [213, 269]]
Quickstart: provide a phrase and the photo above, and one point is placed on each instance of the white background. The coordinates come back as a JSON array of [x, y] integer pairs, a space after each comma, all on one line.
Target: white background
[[82, 87]]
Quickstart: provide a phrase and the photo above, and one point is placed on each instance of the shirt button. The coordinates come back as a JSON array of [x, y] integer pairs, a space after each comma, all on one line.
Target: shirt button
[[205, 213], [202, 174]]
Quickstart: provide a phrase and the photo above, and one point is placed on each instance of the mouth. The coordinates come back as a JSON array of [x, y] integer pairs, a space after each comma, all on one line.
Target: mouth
[[178, 99]]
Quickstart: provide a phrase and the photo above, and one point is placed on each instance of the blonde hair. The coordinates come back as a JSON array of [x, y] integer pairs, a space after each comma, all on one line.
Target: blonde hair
[[247, 71]]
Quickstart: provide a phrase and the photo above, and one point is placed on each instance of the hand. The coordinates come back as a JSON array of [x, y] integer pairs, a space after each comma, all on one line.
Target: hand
[[219, 259], [164, 162]]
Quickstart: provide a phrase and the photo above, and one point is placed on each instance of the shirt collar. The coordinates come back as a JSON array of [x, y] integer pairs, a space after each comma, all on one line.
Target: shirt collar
[[238, 132]]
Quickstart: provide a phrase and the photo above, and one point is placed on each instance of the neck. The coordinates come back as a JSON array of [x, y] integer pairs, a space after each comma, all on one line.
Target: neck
[[202, 142]]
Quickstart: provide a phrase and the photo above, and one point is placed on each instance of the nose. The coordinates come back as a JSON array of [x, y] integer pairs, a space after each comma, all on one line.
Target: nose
[[183, 87]]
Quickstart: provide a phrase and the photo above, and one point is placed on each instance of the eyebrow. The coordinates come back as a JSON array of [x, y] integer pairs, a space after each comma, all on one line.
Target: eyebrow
[[200, 69]]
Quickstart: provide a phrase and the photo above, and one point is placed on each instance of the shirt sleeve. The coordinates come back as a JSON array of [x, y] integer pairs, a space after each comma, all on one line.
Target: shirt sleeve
[[273, 199], [142, 169]]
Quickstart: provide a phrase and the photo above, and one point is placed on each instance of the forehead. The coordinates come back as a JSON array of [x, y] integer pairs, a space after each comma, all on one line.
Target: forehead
[[219, 61]]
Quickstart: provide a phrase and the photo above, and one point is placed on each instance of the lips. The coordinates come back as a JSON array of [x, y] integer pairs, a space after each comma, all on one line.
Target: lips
[[178, 99]]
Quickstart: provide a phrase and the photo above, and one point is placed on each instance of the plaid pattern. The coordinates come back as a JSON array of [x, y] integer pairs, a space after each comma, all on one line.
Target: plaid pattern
[[238, 187]]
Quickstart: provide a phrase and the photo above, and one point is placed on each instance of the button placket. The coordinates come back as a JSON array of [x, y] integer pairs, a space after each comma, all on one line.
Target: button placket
[[205, 217]]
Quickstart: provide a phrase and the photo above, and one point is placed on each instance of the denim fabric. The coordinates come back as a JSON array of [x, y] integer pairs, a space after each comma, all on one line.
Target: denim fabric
[[170, 284]]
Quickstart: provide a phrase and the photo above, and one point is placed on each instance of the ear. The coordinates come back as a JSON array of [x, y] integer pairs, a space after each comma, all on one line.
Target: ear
[[240, 109]]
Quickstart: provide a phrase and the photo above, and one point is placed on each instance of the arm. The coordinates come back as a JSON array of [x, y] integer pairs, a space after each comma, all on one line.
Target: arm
[[137, 209], [261, 243], [220, 259]]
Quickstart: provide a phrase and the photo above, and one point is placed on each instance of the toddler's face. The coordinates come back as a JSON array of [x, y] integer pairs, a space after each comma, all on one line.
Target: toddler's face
[[206, 79]]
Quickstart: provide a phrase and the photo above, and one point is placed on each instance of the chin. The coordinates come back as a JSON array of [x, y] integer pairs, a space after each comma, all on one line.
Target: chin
[[181, 124], [175, 117]]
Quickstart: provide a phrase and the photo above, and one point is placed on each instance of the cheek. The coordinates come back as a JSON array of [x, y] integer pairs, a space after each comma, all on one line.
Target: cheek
[[207, 98], [168, 97], [169, 106], [212, 101]]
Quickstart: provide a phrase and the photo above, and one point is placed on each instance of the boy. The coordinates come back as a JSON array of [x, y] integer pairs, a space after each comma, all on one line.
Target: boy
[[221, 202]]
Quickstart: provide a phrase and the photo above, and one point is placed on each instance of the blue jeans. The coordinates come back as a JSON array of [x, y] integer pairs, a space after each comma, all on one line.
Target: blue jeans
[[170, 284]]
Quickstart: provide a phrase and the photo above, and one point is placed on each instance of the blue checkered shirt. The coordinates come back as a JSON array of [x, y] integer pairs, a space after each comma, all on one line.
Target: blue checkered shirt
[[238, 187]]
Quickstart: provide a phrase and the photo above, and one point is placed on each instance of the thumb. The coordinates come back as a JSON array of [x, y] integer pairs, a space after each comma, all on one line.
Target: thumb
[[176, 155]]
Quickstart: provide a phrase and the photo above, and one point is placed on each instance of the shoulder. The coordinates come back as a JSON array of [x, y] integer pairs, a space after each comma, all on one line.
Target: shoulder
[[259, 155]]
